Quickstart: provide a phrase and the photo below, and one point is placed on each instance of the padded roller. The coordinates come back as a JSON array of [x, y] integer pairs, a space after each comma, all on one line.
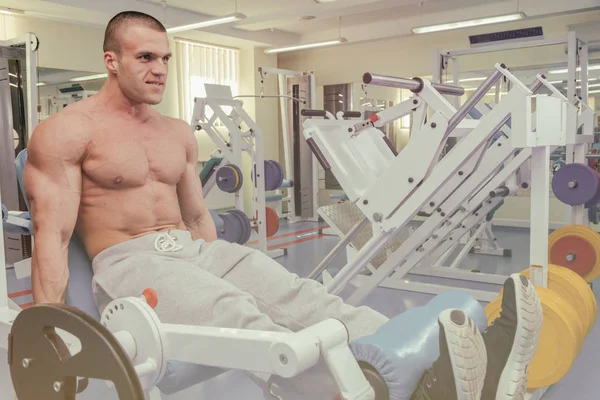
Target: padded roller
[[407, 345]]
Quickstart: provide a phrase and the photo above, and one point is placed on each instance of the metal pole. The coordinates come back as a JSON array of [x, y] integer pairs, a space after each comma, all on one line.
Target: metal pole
[[414, 84], [473, 100], [31, 46], [338, 248]]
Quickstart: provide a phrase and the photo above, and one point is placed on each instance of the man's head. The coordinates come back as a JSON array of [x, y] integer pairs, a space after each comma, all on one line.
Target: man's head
[[136, 54]]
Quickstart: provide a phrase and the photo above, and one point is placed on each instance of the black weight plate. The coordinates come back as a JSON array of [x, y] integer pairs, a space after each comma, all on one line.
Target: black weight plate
[[33, 336]]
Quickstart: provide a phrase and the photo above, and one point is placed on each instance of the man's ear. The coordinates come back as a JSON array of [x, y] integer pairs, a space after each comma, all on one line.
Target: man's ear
[[110, 61]]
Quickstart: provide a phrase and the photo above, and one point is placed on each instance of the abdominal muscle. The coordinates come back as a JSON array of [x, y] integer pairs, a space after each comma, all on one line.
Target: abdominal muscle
[[108, 217]]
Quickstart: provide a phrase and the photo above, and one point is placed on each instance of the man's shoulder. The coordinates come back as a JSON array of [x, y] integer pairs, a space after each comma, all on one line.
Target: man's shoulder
[[68, 131], [178, 126]]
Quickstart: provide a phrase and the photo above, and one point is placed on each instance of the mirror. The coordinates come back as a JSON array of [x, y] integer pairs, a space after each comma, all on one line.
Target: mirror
[[58, 88]]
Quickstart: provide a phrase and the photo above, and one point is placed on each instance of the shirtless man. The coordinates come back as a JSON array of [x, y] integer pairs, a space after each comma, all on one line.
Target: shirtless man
[[123, 178]]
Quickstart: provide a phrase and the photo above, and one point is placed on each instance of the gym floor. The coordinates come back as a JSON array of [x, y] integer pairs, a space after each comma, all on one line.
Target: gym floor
[[306, 247]]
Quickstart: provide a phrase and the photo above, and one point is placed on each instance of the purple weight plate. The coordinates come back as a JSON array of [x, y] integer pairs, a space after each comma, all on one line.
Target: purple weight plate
[[231, 228], [229, 178], [575, 184]]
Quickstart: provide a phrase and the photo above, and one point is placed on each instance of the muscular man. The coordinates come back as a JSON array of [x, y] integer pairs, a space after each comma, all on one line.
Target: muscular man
[[123, 178]]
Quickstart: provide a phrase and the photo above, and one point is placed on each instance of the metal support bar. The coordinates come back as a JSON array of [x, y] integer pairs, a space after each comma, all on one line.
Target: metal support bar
[[415, 84], [473, 100], [338, 248]]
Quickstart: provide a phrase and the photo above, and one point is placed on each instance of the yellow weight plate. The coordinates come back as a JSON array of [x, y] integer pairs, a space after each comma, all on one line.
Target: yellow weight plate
[[572, 288], [558, 345], [582, 296], [586, 241], [573, 318]]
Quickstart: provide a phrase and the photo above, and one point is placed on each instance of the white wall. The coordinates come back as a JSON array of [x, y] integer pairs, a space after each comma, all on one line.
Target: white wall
[[414, 56]]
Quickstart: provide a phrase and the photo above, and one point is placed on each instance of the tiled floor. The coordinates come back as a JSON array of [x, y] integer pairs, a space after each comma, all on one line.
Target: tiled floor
[[306, 248]]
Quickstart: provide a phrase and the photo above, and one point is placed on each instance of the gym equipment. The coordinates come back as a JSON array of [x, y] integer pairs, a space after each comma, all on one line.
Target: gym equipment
[[576, 184], [570, 309], [300, 166], [456, 192], [232, 226], [273, 175], [409, 343], [229, 178], [39, 354], [129, 347], [577, 248], [215, 111]]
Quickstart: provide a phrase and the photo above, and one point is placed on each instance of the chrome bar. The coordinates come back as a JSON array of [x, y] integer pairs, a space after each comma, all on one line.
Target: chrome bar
[[338, 248], [473, 100], [414, 84]]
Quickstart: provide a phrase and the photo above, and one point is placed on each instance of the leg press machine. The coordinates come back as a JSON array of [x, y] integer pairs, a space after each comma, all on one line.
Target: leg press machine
[[456, 192]]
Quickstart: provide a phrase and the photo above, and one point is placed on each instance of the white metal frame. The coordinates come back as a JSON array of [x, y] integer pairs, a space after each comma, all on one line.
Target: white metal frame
[[282, 77], [250, 142], [364, 167]]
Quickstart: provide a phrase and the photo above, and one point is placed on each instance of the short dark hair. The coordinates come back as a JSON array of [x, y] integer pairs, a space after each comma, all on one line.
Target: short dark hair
[[122, 19]]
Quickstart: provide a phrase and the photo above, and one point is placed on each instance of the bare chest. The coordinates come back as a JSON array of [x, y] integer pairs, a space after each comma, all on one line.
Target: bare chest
[[131, 155]]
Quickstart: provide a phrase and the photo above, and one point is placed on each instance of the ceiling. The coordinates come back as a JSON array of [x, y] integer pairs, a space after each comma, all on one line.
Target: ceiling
[[277, 22]]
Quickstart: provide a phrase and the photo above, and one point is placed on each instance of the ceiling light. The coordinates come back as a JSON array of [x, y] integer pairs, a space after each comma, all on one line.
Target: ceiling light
[[11, 11], [469, 23], [306, 46], [324, 1], [88, 78], [41, 83], [206, 23], [594, 91], [469, 80], [566, 70]]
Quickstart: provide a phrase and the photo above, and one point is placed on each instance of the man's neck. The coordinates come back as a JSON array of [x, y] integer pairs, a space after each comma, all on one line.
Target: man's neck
[[113, 99]]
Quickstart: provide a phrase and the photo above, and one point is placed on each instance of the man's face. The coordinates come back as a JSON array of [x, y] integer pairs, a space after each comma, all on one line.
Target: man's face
[[143, 64]]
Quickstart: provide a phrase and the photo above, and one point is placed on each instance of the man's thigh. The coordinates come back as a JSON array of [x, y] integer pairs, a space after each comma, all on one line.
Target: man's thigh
[[186, 294], [289, 300]]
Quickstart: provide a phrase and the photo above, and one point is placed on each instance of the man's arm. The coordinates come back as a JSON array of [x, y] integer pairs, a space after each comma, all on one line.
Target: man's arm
[[52, 182], [194, 212]]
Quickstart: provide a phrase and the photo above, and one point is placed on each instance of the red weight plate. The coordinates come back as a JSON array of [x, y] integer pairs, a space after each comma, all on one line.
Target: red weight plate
[[584, 254], [272, 221]]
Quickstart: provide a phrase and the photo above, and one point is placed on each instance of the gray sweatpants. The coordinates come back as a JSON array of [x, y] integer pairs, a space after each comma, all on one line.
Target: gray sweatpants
[[221, 284]]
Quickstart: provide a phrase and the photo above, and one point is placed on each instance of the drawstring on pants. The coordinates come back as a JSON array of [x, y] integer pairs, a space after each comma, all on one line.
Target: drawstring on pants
[[166, 243]]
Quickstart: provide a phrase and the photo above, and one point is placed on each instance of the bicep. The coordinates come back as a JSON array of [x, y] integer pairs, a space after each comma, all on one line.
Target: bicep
[[52, 183]]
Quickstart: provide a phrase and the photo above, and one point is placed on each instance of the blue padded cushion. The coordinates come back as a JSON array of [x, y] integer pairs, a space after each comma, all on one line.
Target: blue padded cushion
[[408, 344]]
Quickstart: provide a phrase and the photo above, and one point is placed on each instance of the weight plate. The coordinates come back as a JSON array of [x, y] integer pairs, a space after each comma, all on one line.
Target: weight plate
[[551, 361], [229, 178], [280, 173], [581, 245], [575, 184], [272, 221], [580, 292], [273, 175], [40, 361], [243, 223], [231, 228], [561, 281]]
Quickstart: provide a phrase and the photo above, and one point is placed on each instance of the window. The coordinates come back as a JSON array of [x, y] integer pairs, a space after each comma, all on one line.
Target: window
[[198, 64]]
